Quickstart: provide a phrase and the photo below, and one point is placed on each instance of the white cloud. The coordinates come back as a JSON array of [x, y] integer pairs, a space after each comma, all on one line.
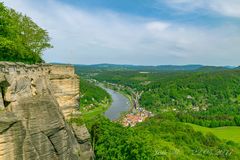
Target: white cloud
[[157, 26], [185, 5], [230, 8], [226, 7], [84, 36]]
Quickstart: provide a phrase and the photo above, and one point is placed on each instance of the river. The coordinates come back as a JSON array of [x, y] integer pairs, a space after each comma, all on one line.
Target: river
[[120, 104]]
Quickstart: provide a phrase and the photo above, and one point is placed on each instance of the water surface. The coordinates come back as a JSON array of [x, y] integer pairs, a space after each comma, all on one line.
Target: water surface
[[120, 104]]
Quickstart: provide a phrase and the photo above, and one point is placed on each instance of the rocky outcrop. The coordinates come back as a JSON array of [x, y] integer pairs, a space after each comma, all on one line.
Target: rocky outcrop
[[83, 138], [65, 85], [35, 100]]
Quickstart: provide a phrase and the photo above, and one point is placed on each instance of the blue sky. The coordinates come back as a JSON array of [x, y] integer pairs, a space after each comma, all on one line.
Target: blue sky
[[147, 32], [160, 10]]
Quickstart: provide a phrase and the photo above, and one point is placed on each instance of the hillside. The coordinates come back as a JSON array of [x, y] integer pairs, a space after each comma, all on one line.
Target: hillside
[[207, 97], [226, 133], [210, 98], [158, 138], [91, 95]]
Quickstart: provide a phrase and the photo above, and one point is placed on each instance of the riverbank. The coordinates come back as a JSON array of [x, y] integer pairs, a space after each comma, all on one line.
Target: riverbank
[[120, 104], [119, 90], [113, 108], [89, 116], [94, 101], [133, 115], [119, 109]]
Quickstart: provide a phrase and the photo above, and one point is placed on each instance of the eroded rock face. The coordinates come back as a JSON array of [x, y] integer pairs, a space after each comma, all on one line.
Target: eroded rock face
[[65, 85], [35, 100], [83, 138]]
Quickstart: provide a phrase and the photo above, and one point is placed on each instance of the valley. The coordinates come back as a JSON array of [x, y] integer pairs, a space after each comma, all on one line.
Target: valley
[[120, 104], [119, 80], [197, 109]]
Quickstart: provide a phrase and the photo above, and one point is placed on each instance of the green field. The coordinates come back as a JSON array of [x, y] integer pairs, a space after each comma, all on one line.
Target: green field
[[94, 101], [227, 133], [88, 115]]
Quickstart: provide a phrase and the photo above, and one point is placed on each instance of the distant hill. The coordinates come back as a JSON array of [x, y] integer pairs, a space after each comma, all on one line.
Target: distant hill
[[212, 69], [179, 67], [159, 68], [141, 67], [237, 67]]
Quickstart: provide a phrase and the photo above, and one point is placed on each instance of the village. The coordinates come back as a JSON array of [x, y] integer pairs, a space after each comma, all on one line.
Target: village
[[136, 116]]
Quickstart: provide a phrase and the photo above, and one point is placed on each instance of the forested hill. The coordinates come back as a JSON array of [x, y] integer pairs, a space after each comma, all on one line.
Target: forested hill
[[211, 98], [159, 68], [208, 98]]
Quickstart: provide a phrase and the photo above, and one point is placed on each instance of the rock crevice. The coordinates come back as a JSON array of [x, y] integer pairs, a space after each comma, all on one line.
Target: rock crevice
[[35, 101]]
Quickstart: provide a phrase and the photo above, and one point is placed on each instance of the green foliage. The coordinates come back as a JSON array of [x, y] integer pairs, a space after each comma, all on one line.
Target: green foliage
[[21, 40], [94, 101], [157, 138], [172, 97], [92, 95], [112, 141], [230, 133], [210, 99]]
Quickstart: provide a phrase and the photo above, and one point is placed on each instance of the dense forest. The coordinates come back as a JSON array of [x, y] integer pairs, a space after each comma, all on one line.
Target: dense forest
[[160, 137], [177, 95], [21, 40], [207, 97], [210, 99]]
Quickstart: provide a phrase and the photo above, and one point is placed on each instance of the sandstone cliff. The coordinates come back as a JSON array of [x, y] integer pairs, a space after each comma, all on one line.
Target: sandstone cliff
[[35, 100]]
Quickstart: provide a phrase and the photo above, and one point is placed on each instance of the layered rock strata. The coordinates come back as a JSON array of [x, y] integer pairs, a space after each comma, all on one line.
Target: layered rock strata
[[35, 101]]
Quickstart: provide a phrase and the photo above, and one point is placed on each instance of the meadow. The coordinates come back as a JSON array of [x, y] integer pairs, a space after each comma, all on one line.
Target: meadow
[[196, 114], [230, 133]]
